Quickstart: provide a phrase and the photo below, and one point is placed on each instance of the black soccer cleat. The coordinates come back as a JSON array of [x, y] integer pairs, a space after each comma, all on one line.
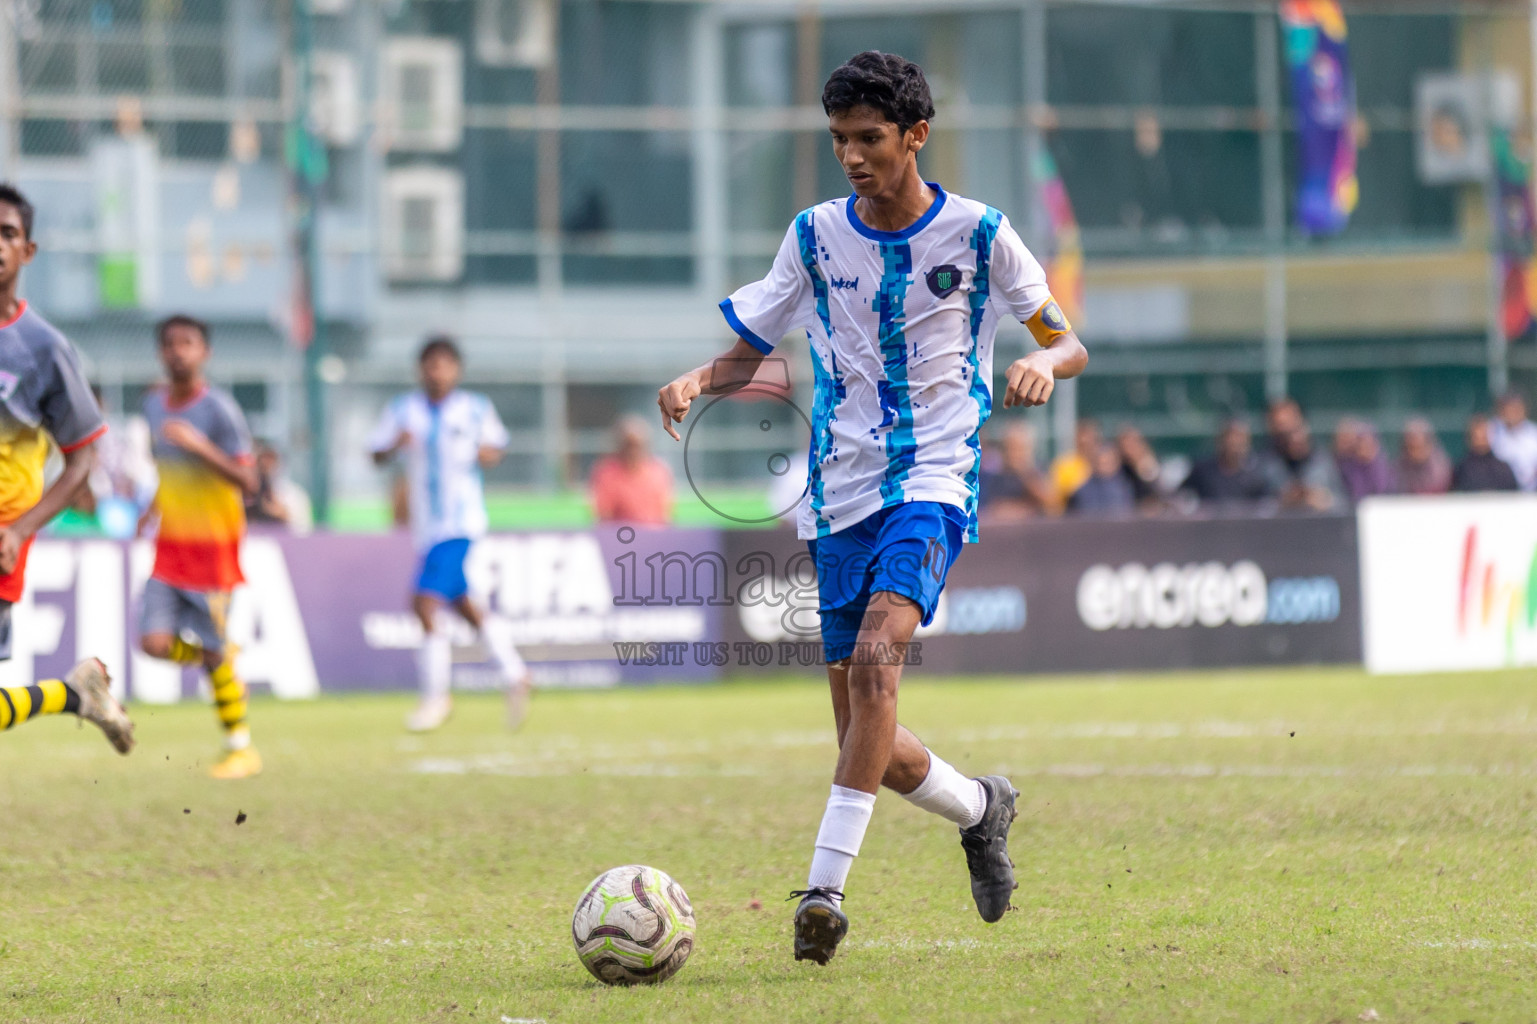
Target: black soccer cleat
[[987, 849], [819, 924]]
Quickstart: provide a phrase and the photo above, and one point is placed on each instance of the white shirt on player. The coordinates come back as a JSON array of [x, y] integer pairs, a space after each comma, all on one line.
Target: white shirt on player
[[442, 460], [901, 327]]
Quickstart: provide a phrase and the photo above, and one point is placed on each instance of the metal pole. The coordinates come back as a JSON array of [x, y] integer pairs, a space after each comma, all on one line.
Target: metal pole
[[1063, 410], [308, 178], [555, 419], [709, 156], [1273, 190], [10, 91]]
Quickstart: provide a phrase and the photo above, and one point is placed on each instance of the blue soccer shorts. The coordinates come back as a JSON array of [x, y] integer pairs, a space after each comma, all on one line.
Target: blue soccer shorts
[[442, 571], [903, 549]]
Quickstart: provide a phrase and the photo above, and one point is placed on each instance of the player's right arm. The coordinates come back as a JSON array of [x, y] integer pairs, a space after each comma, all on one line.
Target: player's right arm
[[389, 436], [78, 463], [760, 313], [720, 376], [70, 415]]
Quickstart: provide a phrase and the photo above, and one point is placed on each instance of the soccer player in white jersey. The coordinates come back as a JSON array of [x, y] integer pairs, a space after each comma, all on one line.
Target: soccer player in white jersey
[[447, 437], [900, 289]]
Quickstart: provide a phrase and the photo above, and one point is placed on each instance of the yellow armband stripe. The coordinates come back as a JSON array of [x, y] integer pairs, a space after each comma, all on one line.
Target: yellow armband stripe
[[1048, 324]]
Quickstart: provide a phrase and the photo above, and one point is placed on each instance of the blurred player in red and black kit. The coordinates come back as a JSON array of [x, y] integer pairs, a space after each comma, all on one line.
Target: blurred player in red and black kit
[[44, 401]]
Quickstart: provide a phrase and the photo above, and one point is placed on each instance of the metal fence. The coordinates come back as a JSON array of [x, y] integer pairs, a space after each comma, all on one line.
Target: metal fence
[[571, 185]]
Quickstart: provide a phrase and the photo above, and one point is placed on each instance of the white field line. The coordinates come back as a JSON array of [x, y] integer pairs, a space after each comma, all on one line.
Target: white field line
[[1219, 729], [513, 766], [570, 754]]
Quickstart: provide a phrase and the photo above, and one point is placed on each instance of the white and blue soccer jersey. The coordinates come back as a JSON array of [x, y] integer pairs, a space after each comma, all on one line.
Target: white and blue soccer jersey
[[442, 460], [901, 326]]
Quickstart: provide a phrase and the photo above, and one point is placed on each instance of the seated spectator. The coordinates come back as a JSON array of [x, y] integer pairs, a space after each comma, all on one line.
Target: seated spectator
[[632, 485], [1513, 438], [1302, 475], [278, 500], [1481, 469], [1363, 467], [1070, 469], [1107, 491], [1139, 464], [1347, 432], [1232, 474], [1423, 467], [1282, 417], [1013, 487]]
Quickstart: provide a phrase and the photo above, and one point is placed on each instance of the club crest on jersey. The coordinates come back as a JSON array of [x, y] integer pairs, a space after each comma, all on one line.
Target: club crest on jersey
[[1051, 316], [8, 382], [944, 280]]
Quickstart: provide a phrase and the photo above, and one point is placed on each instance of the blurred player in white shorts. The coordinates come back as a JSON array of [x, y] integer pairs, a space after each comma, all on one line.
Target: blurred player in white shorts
[[447, 437]]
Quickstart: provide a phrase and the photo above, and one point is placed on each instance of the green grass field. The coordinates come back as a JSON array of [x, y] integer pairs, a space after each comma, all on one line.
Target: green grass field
[[1308, 846]]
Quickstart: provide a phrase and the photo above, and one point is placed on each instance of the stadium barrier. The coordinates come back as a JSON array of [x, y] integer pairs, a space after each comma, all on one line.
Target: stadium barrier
[[1449, 583], [333, 608], [634, 605], [1085, 595]]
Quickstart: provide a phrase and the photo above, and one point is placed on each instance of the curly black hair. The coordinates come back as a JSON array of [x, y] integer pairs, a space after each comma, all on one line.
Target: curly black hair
[[440, 344], [893, 85], [183, 320], [10, 195]]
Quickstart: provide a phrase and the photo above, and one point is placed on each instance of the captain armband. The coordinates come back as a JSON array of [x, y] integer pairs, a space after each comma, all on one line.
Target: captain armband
[[1048, 324]]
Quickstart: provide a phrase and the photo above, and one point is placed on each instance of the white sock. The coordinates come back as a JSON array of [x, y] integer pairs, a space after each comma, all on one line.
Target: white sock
[[949, 794], [843, 829], [503, 652], [435, 663]]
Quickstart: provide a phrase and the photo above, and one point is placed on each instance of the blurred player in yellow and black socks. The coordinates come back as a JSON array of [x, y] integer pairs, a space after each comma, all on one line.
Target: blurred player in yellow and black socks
[[203, 452], [44, 401]]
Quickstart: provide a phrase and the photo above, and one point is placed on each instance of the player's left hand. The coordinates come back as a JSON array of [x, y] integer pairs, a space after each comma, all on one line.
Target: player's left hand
[[10, 550], [1031, 381], [184, 435]]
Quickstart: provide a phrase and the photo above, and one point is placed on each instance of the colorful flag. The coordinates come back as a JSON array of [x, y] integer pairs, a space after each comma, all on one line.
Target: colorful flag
[[1515, 225], [1324, 95], [1064, 261]]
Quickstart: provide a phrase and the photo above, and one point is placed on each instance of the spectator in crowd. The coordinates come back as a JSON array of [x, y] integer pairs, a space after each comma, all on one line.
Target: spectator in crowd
[[1363, 467], [1070, 469], [1513, 438], [1301, 474], [632, 485], [1139, 464], [278, 500], [1423, 467], [1481, 469], [1012, 484], [1282, 418], [1106, 491], [1232, 474]]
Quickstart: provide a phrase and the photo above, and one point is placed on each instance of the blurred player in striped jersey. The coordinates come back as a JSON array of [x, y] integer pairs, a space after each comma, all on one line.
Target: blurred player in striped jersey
[[44, 400], [447, 437], [899, 289], [203, 454]]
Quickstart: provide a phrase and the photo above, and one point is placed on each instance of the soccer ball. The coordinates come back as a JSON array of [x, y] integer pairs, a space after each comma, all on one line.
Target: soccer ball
[[634, 925]]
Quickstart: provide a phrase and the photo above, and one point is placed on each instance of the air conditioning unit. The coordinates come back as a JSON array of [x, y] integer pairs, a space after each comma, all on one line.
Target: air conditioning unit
[[423, 224], [515, 33], [423, 93], [334, 106]]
